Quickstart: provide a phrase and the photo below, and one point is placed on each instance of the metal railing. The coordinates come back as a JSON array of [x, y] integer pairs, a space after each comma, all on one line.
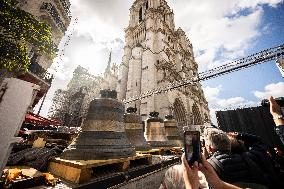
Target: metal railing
[[48, 7], [40, 72]]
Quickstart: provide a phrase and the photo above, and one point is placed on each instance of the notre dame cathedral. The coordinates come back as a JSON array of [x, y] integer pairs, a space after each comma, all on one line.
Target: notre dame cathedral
[[156, 54]]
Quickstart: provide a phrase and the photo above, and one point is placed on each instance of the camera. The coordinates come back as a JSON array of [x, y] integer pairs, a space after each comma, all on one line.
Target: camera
[[279, 100]]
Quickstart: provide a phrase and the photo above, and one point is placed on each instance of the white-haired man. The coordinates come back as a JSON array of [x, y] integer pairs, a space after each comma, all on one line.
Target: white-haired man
[[232, 167]]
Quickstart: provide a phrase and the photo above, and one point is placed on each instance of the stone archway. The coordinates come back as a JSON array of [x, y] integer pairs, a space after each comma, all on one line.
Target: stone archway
[[197, 119], [179, 112]]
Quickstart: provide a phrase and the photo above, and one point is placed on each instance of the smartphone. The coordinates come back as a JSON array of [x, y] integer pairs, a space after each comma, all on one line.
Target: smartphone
[[192, 146]]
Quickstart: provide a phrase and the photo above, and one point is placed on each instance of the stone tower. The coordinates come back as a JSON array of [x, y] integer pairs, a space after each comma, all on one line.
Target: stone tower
[[156, 54]]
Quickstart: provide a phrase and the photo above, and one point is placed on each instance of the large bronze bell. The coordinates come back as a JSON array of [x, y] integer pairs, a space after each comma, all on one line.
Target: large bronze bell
[[172, 132], [103, 132], [134, 129], [155, 132]]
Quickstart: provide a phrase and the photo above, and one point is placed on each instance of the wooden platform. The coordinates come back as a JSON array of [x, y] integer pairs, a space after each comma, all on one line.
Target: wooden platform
[[162, 151], [83, 171]]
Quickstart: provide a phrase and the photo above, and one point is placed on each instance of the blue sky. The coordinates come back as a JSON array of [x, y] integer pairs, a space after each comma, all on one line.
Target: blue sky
[[220, 31], [243, 83]]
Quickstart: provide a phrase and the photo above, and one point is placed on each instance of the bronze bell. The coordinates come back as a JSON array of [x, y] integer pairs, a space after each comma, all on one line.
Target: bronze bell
[[134, 129], [172, 132], [103, 132], [155, 132]]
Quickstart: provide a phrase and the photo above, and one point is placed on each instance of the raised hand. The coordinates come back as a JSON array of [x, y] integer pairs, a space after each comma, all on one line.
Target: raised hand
[[190, 174]]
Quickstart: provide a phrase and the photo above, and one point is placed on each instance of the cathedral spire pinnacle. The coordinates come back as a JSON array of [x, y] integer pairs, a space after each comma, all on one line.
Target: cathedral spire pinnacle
[[109, 60], [108, 68]]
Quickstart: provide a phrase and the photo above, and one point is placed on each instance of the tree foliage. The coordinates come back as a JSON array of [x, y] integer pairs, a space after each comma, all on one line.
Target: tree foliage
[[18, 31]]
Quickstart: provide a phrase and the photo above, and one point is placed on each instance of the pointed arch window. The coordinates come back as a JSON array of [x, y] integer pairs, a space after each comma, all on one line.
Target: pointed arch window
[[140, 14], [197, 119], [179, 112]]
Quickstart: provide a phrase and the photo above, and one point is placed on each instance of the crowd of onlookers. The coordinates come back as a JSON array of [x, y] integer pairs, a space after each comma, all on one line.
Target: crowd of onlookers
[[232, 161]]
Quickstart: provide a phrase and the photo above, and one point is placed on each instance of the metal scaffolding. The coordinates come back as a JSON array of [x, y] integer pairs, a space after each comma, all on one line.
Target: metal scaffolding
[[266, 55]]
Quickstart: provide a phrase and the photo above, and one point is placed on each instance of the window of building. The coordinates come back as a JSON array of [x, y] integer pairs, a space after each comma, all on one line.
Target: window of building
[[140, 14], [34, 58], [31, 54], [147, 5], [146, 67]]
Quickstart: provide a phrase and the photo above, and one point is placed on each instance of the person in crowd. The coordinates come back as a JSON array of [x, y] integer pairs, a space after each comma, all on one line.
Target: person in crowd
[[278, 118], [254, 150], [174, 178], [198, 176], [237, 158], [230, 167], [235, 168], [191, 178], [237, 146]]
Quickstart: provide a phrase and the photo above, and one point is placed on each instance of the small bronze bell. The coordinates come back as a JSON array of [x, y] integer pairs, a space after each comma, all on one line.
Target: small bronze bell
[[172, 133], [155, 132], [134, 130]]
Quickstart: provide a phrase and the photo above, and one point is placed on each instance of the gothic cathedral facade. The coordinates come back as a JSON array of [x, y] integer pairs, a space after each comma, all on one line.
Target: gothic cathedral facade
[[156, 54]]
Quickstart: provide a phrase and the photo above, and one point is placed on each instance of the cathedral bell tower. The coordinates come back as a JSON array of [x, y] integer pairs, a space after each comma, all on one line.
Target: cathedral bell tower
[[156, 54]]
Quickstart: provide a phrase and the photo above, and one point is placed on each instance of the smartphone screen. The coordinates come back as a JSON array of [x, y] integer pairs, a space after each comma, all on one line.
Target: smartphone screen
[[192, 146]]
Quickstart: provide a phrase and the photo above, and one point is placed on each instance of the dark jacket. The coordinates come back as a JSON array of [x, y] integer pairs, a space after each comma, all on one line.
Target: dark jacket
[[252, 166], [231, 168], [258, 153], [280, 131]]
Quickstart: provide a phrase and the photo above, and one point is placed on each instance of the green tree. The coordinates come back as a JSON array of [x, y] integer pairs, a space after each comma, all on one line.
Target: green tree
[[18, 31]]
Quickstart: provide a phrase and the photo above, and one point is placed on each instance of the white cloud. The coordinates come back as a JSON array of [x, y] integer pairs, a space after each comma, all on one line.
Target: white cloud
[[224, 103], [216, 103], [273, 89], [222, 29], [212, 96], [211, 93], [235, 102], [102, 20]]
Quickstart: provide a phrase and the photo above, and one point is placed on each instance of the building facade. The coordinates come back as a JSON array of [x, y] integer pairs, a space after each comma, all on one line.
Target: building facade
[[156, 54], [70, 106], [56, 13]]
